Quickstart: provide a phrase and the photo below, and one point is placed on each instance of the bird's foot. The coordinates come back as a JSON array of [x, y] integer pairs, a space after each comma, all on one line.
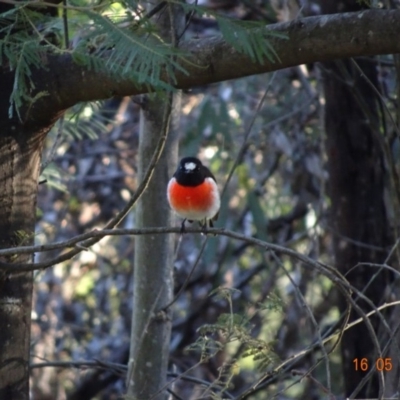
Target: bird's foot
[[183, 227], [204, 226]]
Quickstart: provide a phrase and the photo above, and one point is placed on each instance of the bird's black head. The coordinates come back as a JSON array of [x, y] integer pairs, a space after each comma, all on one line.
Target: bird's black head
[[191, 172]]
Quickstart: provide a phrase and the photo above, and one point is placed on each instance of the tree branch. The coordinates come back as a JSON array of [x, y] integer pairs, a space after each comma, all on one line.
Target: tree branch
[[212, 59], [98, 234]]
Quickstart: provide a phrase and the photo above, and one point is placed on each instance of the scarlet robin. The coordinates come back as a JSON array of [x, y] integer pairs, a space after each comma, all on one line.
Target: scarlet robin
[[193, 192]]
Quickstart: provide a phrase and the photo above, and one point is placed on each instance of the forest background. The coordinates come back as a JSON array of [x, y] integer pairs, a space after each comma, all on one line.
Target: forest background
[[296, 295]]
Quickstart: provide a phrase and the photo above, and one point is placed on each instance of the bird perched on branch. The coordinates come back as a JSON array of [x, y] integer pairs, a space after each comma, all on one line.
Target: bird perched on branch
[[193, 192]]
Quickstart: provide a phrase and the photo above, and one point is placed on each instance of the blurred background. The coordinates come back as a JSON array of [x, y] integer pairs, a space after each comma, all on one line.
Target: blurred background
[[278, 193]]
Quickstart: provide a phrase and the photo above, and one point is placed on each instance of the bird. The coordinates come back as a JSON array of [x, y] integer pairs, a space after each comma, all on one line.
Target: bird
[[193, 193]]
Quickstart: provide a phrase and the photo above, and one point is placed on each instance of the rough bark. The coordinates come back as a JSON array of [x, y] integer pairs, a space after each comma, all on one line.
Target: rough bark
[[358, 214], [20, 151]]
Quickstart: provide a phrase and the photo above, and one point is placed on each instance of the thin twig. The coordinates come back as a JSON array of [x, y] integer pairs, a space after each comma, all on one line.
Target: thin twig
[[312, 318], [185, 283], [95, 235], [319, 384], [117, 368], [247, 135]]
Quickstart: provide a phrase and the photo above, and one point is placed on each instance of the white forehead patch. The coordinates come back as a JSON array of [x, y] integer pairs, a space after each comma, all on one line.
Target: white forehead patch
[[190, 166]]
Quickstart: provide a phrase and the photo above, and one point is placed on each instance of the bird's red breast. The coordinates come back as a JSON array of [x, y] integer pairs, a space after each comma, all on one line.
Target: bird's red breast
[[194, 202]]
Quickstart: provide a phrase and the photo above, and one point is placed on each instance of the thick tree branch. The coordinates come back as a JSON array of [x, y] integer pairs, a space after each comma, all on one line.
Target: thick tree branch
[[212, 59]]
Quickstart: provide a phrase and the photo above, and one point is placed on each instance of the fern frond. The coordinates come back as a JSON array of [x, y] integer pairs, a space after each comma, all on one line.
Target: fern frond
[[262, 352], [22, 63], [139, 55], [248, 37], [206, 346], [21, 51]]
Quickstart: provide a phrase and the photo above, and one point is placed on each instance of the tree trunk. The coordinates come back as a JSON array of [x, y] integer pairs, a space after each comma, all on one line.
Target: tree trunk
[[20, 151], [154, 254], [358, 214], [153, 264], [355, 164]]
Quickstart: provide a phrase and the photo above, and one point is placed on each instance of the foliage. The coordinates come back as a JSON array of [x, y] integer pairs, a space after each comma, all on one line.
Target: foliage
[[232, 328], [118, 39], [21, 51]]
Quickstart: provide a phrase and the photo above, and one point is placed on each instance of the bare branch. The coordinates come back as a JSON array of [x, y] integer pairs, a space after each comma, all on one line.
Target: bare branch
[[94, 236]]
